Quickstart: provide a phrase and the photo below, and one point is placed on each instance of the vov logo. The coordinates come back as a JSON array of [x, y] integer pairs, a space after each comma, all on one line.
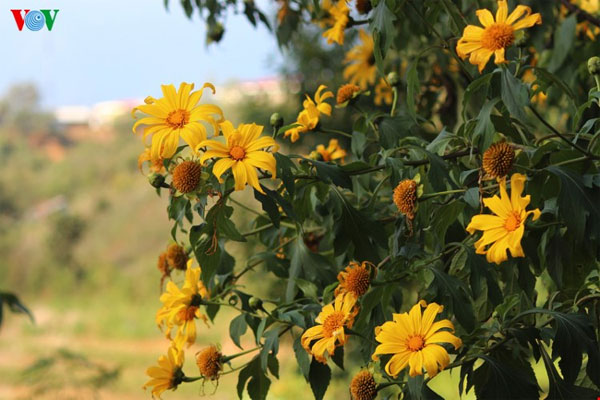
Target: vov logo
[[34, 20]]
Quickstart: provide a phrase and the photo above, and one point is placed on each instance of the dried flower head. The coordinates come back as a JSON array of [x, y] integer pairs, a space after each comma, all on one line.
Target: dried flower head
[[346, 92], [355, 278], [498, 159], [177, 257], [363, 386], [209, 362], [405, 197], [186, 176]]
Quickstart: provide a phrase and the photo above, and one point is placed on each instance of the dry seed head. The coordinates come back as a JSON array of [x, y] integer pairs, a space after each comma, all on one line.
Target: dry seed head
[[363, 386], [363, 6], [345, 92], [498, 159], [177, 257], [405, 197], [186, 176], [209, 362]]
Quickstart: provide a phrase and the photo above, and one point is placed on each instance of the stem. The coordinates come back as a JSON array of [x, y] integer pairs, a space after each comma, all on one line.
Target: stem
[[560, 135], [431, 195], [573, 160], [258, 230], [243, 353], [335, 131], [394, 102], [580, 13]]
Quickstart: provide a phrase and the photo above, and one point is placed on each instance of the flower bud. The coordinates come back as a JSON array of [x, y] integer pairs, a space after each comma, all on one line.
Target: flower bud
[[156, 180], [594, 65], [215, 33], [276, 120], [255, 303], [393, 78]]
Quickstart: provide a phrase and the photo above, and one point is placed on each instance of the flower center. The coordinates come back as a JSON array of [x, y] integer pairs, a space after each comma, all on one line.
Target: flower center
[[513, 221], [178, 118], [357, 281], [188, 313], [237, 153], [415, 343], [498, 36], [332, 323]]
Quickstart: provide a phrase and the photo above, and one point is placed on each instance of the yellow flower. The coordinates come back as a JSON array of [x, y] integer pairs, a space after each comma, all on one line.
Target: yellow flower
[[589, 6], [504, 230], [176, 115], [329, 333], [181, 307], [332, 152], [168, 373], [308, 118], [413, 337], [355, 278], [338, 19], [243, 153], [155, 165], [362, 70], [346, 93], [496, 35], [383, 93]]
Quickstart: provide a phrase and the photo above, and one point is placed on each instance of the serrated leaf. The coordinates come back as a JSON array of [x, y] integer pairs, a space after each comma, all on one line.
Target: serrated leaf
[[495, 380], [319, 377], [515, 95], [302, 358], [237, 328]]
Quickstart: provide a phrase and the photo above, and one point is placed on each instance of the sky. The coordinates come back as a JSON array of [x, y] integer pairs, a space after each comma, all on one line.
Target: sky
[[125, 49]]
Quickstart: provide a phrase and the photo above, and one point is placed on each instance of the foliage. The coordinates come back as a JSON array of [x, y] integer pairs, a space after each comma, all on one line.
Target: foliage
[[321, 214]]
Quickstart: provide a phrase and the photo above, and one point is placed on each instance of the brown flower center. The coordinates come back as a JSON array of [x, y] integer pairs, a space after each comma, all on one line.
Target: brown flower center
[[237, 153], [513, 221], [498, 36], [345, 92], [357, 281], [498, 159], [178, 118], [186, 176], [177, 257], [405, 197], [209, 362], [188, 313], [332, 323], [415, 343], [363, 386]]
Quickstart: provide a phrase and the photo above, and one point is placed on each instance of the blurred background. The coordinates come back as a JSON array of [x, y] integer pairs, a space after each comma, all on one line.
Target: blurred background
[[80, 227]]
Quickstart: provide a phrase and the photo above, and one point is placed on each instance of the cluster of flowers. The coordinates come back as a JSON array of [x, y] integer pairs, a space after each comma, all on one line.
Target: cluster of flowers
[[413, 338]]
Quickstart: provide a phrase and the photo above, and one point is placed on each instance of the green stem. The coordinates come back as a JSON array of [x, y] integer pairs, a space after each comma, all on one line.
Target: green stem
[[571, 161], [431, 195], [242, 353], [258, 230], [394, 102], [335, 131]]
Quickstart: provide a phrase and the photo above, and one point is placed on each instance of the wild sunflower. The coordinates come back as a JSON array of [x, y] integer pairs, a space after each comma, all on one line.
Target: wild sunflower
[[504, 230], [361, 69], [308, 118], [168, 374], [383, 93], [338, 18], [496, 35], [355, 278], [413, 337], [329, 333], [181, 307], [177, 115], [332, 152], [243, 152], [155, 165]]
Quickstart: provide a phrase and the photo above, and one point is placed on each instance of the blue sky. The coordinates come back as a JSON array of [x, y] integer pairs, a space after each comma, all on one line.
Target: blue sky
[[115, 49]]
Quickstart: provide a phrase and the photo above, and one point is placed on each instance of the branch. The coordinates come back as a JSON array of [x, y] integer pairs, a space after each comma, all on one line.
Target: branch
[[580, 13]]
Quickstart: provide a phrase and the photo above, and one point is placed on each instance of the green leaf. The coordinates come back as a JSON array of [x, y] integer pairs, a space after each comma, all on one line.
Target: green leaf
[[382, 25], [483, 135], [302, 358], [258, 387], [497, 380], [563, 42], [285, 166], [515, 95], [331, 173], [271, 346], [269, 206], [237, 328], [558, 388], [14, 304], [450, 290], [273, 364], [319, 377], [392, 129]]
